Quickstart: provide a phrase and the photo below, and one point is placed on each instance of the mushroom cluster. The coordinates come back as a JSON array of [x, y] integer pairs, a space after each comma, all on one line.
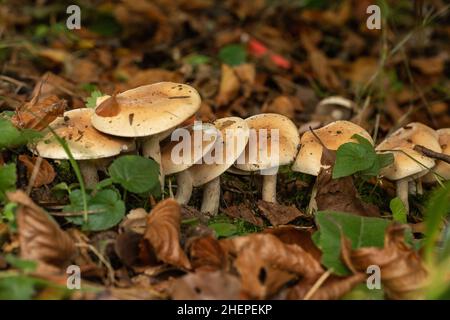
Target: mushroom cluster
[[143, 119]]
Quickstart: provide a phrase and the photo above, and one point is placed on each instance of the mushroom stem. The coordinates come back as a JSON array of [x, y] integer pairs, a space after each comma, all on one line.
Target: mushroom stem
[[419, 186], [269, 188], [184, 187], [211, 196], [402, 192], [151, 149], [89, 173], [312, 206]]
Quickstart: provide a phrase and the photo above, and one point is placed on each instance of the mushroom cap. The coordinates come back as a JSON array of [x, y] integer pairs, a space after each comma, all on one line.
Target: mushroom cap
[[332, 136], [149, 110], [84, 141], [409, 163], [442, 168], [233, 138], [338, 107], [288, 141], [207, 135]]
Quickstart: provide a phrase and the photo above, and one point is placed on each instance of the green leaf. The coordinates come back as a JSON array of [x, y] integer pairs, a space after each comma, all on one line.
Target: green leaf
[[17, 288], [223, 229], [106, 206], [398, 210], [233, 54], [11, 137], [438, 207], [351, 158], [135, 173], [196, 59], [105, 24], [22, 264], [91, 102], [444, 252], [8, 179], [362, 231]]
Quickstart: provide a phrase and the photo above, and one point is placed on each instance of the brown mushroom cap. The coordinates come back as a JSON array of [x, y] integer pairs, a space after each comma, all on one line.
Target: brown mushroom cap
[[442, 168], [332, 136], [149, 110], [208, 134], [231, 129], [288, 142], [84, 141], [409, 162]]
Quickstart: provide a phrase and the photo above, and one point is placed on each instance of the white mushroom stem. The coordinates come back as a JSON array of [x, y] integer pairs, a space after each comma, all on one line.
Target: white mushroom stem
[[211, 196], [419, 186], [89, 173], [184, 187], [269, 188], [151, 149], [312, 206], [402, 192]]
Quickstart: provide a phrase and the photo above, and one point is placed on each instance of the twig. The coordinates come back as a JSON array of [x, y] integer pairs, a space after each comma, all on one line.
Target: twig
[[432, 154], [317, 284], [35, 172]]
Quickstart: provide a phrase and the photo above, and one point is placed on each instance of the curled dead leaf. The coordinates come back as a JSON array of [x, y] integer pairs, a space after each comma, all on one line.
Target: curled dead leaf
[[163, 234], [229, 86], [279, 214], [108, 108], [207, 254], [40, 237], [45, 173], [402, 271]]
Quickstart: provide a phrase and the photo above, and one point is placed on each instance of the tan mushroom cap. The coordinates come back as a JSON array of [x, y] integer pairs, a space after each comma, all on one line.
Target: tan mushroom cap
[[405, 139], [332, 136], [149, 110], [84, 141], [288, 141], [234, 131], [442, 168], [207, 135]]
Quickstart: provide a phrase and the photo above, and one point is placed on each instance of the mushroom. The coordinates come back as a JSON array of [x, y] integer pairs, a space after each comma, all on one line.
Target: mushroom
[[409, 164], [332, 136], [233, 138], [85, 143], [148, 112], [274, 141], [174, 159], [442, 168], [337, 107]]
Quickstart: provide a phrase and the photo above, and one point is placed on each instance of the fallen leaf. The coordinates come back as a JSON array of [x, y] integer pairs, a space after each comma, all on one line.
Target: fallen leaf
[[202, 285], [279, 214], [229, 86], [361, 71], [45, 173], [163, 234], [108, 108], [281, 105], [402, 271], [206, 253], [40, 237], [430, 66], [244, 212]]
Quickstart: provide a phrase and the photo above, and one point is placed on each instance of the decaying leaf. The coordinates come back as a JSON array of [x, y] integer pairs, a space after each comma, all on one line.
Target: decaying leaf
[[244, 212], [229, 86], [202, 285], [279, 214], [40, 237], [207, 254], [45, 173], [402, 270], [108, 108], [163, 233]]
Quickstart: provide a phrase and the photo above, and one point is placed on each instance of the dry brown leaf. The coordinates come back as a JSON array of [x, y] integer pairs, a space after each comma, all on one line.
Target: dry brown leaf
[[202, 285], [259, 254], [402, 271], [332, 289], [207, 254], [244, 212], [45, 173], [148, 76], [40, 237], [430, 66], [163, 234], [39, 113], [229, 86], [282, 105], [108, 108], [361, 71], [279, 214]]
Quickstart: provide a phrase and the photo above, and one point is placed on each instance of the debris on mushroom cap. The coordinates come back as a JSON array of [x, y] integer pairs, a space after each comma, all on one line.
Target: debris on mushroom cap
[[206, 134], [338, 107], [83, 140], [442, 168], [234, 131], [288, 141], [149, 110], [408, 162], [332, 136]]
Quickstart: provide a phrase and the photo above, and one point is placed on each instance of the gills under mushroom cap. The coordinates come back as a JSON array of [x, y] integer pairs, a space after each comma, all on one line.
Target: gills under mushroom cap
[[332, 136], [149, 110], [83, 140]]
